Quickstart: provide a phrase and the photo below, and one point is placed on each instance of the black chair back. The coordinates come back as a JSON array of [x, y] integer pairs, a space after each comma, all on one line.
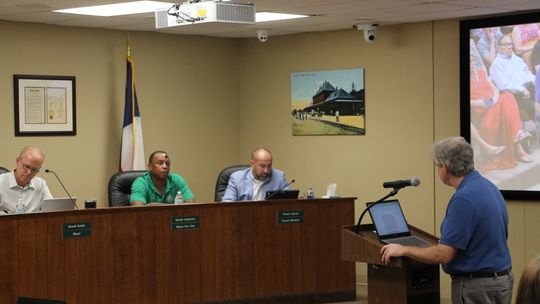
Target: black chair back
[[3, 170], [223, 180], [120, 187]]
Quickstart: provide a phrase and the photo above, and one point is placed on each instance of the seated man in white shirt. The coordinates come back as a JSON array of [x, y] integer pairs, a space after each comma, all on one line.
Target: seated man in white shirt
[[20, 190], [511, 74]]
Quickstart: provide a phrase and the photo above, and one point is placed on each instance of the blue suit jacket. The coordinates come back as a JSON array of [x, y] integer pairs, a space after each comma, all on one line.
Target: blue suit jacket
[[240, 187]]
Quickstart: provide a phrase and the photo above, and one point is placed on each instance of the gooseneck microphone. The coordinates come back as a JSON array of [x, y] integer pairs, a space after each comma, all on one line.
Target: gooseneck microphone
[[415, 182], [280, 189], [71, 198], [396, 185]]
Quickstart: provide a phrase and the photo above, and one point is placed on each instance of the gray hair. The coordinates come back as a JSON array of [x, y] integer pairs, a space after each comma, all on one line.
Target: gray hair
[[456, 153], [31, 150]]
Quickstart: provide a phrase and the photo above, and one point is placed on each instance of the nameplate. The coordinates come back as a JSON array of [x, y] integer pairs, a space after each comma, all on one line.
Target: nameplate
[[185, 222], [291, 217], [70, 230]]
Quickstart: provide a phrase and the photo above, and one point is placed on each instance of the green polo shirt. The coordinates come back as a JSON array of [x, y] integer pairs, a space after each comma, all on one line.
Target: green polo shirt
[[143, 189]]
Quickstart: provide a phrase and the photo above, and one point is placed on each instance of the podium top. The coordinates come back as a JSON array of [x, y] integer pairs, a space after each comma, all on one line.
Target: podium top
[[365, 247]]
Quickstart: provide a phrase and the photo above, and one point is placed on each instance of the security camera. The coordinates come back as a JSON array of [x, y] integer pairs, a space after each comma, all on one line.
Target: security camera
[[371, 31], [262, 35]]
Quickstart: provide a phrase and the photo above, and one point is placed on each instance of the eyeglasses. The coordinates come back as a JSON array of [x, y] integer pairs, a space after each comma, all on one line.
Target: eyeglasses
[[506, 44], [30, 168]]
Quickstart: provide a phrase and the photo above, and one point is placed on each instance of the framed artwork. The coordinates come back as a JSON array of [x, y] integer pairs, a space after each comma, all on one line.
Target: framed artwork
[[44, 105], [500, 100], [328, 102]]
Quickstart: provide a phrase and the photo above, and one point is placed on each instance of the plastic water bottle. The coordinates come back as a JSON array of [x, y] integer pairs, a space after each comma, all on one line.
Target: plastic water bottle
[[310, 194], [179, 198]]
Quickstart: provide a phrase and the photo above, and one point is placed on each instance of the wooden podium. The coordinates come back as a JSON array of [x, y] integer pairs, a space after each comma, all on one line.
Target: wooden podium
[[402, 281]]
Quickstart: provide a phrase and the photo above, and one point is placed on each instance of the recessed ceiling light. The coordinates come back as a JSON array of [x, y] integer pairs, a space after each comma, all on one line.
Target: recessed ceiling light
[[127, 8], [263, 17]]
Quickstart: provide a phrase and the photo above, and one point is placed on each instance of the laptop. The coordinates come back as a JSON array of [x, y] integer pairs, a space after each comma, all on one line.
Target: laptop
[[391, 226], [58, 204], [282, 194]]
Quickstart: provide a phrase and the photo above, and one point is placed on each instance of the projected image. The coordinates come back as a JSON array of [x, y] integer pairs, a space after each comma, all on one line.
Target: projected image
[[504, 64]]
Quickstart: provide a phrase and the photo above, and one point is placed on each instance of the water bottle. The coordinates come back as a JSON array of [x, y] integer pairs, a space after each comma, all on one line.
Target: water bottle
[[310, 194], [179, 198]]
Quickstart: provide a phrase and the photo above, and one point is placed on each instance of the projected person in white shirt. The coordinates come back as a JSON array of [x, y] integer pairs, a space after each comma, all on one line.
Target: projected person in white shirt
[[511, 74]]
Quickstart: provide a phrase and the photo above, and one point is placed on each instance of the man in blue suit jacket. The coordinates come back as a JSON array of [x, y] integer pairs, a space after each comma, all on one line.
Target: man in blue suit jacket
[[251, 184]]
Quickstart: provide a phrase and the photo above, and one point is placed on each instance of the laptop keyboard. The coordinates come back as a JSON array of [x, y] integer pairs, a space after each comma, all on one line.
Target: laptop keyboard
[[409, 241]]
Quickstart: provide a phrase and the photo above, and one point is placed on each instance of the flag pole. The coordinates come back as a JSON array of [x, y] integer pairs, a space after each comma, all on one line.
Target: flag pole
[[132, 84], [128, 47], [132, 155]]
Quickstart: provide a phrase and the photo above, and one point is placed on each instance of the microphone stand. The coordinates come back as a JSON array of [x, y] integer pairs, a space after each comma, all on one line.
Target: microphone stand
[[392, 193], [70, 197]]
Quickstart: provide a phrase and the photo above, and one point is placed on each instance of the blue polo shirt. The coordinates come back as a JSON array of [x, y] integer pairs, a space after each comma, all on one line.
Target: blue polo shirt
[[144, 190], [476, 224]]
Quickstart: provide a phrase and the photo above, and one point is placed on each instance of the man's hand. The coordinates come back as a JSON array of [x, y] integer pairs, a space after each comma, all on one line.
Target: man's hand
[[391, 250]]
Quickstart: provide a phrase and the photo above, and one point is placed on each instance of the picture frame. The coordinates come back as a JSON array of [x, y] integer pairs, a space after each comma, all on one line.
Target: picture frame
[[506, 148], [44, 105], [328, 102]]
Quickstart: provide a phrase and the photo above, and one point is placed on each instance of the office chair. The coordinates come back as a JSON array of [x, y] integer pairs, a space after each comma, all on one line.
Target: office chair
[[120, 187], [223, 180], [3, 170]]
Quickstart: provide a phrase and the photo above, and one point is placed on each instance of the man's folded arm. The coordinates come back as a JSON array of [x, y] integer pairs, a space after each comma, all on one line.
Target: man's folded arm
[[230, 192]]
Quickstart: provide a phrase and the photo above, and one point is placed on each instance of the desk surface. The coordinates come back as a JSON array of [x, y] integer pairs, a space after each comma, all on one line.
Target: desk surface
[[192, 253]]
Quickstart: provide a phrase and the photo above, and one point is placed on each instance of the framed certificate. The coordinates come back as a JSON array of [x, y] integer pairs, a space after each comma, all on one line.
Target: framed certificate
[[44, 105]]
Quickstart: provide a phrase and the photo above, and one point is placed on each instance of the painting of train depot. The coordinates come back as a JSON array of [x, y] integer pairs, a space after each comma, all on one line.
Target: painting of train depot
[[328, 102]]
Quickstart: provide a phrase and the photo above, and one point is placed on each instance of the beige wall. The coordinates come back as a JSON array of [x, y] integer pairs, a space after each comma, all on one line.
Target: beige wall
[[187, 90], [210, 101], [399, 113]]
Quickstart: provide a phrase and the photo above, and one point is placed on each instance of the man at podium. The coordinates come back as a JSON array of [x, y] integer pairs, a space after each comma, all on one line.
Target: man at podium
[[473, 247]]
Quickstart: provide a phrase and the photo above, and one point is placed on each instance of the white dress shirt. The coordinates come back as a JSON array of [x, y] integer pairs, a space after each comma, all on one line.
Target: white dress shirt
[[17, 199], [511, 73], [257, 193]]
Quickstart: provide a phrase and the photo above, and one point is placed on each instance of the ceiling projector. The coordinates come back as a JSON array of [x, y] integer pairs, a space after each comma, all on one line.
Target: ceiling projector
[[194, 12]]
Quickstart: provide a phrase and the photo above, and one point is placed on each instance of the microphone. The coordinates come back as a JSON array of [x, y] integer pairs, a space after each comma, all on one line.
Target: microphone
[[71, 198], [280, 189], [402, 183], [397, 185]]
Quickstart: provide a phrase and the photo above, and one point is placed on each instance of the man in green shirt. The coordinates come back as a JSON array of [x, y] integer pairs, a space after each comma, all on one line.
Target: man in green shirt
[[158, 185]]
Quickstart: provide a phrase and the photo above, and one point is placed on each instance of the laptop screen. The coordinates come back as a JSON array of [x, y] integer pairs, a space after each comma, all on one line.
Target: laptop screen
[[282, 194], [388, 219]]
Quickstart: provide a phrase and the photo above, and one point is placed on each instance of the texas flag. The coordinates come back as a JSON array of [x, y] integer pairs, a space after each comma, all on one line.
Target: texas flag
[[132, 155]]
